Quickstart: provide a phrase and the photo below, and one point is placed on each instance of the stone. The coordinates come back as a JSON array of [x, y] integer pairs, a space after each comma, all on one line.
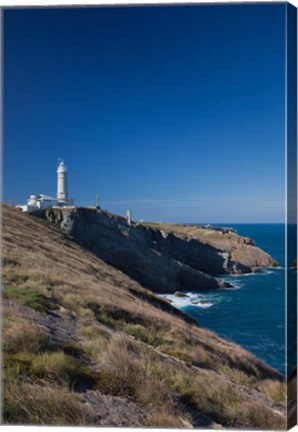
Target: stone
[[180, 294]]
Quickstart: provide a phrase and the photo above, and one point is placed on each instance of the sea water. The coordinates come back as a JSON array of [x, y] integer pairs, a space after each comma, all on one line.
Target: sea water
[[253, 313]]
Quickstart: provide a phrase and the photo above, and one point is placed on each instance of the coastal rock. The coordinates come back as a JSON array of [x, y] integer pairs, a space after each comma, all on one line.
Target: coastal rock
[[204, 303], [180, 294], [213, 250], [136, 253], [165, 258]]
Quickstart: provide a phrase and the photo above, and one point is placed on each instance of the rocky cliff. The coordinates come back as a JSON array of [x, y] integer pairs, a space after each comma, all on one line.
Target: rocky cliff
[[164, 258]]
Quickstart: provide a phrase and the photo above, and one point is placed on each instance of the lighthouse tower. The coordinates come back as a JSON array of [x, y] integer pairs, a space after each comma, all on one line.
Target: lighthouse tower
[[62, 192]]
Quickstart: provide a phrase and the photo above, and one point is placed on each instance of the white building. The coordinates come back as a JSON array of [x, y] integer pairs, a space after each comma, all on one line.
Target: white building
[[42, 201]]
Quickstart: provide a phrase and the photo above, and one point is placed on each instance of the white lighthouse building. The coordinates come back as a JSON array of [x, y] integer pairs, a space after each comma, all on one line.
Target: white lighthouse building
[[62, 191], [36, 202]]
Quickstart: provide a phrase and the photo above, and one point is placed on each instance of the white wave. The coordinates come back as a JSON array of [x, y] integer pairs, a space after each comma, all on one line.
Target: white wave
[[178, 302], [192, 299]]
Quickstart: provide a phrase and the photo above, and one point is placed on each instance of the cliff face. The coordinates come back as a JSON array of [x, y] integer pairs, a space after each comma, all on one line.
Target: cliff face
[[237, 254], [162, 258]]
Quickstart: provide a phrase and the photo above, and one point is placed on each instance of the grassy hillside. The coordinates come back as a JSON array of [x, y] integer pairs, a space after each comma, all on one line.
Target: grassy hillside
[[85, 344]]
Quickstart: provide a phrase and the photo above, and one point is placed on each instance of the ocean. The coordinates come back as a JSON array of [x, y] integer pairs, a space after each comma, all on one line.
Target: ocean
[[253, 313]]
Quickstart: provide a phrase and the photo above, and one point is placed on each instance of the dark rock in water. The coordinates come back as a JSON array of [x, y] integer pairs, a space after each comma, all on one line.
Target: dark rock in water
[[258, 270], [226, 285], [201, 302], [238, 268], [180, 294]]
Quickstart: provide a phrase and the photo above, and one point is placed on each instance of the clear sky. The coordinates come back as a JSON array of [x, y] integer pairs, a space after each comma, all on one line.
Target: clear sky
[[176, 112]]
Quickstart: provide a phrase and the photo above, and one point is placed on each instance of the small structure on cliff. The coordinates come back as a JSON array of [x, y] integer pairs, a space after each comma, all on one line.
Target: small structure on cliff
[[42, 201], [128, 217]]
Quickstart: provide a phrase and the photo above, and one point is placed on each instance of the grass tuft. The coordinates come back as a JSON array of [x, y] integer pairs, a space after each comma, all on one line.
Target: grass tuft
[[20, 334], [275, 390], [28, 404], [61, 368]]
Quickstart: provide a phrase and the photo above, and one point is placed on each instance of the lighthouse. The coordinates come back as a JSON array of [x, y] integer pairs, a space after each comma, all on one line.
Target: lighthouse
[[42, 201], [62, 191]]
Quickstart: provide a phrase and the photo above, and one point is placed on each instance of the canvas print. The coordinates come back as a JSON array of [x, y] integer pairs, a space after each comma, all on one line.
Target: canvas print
[[149, 245]]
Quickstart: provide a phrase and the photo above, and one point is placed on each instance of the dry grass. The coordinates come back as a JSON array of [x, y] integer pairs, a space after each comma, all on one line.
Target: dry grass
[[125, 369], [42, 405], [59, 367], [135, 346], [238, 376], [292, 399], [275, 390], [20, 334], [161, 418]]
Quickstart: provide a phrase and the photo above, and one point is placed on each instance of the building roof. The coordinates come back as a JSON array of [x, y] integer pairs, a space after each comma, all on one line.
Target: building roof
[[43, 197]]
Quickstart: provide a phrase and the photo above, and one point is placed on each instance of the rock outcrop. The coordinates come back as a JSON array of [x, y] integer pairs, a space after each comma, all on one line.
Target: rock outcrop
[[161, 259]]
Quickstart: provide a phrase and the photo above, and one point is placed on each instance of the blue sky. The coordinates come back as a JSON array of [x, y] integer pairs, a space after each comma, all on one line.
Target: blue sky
[[176, 112]]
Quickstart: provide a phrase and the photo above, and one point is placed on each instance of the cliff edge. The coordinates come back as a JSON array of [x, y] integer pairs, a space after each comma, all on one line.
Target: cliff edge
[[164, 258]]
